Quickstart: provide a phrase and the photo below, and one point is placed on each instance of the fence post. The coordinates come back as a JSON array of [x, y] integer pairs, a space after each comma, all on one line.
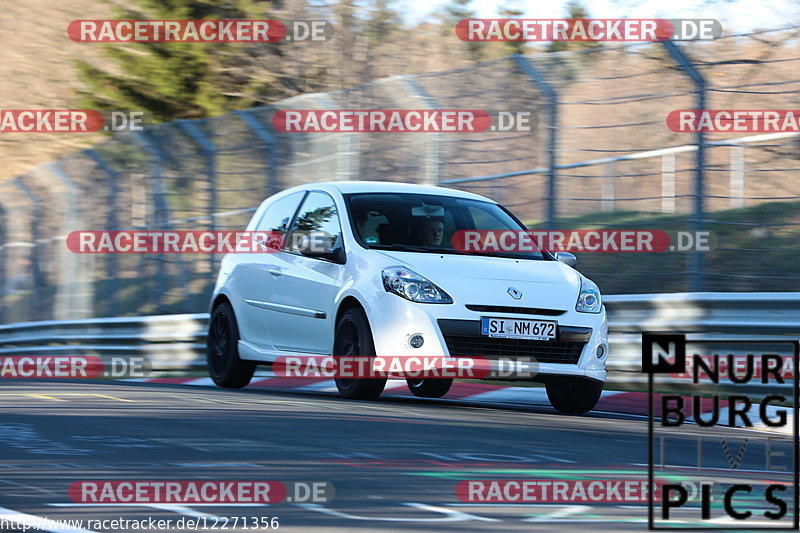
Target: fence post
[[16, 235], [668, 183], [737, 176], [112, 217], [160, 210], [697, 258], [268, 139], [209, 150], [608, 188], [74, 292], [433, 141], [37, 213], [4, 257], [552, 144], [347, 155], [43, 268]]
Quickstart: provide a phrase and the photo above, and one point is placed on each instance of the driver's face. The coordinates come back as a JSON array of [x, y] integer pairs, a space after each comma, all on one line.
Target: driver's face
[[432, 233]]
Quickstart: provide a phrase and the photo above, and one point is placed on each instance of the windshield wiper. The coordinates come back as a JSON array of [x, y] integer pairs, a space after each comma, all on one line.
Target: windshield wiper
[[412, 248], [453, 251]]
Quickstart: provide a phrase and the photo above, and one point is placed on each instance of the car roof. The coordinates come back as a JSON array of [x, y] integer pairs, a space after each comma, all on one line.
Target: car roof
[[353, 187]]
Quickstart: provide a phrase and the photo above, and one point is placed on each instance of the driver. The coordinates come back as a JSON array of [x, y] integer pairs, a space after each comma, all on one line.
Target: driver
[[429, 231]]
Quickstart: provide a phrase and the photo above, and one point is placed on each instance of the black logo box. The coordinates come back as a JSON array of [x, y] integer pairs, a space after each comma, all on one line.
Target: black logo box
[[678, 365]]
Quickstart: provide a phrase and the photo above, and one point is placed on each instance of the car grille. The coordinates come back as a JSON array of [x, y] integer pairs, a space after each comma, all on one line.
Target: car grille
[[463, 339], [514, 310]]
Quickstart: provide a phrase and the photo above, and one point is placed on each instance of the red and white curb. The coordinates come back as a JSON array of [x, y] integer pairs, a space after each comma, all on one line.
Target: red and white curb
[[616, 402]]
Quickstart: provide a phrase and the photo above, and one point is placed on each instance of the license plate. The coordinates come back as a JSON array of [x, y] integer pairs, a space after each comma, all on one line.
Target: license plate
[[518, 328]]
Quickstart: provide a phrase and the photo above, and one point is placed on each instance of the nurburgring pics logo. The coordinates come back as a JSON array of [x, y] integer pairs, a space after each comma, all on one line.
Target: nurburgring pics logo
[[731, 400]]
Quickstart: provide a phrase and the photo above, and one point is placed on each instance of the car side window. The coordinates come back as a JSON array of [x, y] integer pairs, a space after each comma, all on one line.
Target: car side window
[[316, 226], [277, 218], [485, 220]]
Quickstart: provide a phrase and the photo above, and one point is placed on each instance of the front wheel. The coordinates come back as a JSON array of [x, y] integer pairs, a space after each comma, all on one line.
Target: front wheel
[[222, 350], [429, 388], [574, 396], [353, 339]]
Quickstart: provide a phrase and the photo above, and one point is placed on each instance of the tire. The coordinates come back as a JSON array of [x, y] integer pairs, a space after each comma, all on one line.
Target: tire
[[574, 396], [354, 337], [429, 388], [222, 350]]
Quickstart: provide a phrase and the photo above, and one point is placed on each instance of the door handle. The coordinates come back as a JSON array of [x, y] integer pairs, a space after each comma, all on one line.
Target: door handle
[[275, 271]]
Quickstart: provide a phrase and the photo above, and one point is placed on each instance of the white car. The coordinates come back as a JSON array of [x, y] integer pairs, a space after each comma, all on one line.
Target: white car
[[388, 281]]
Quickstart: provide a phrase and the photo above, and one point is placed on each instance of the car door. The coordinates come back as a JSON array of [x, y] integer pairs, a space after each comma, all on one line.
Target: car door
[[308, 283], [257, 274]]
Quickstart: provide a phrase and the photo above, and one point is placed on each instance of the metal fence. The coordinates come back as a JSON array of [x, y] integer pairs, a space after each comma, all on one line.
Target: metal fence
[[601, 157]]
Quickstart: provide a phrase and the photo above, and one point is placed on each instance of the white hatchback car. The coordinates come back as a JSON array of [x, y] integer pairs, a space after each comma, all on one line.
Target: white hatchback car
[[389, 282]]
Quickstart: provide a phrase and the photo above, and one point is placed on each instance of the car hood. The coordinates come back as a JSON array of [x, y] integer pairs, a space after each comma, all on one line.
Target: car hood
[[488, 280]]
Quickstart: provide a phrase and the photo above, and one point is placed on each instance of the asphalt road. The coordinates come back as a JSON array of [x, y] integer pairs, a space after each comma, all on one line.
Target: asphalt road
[[394, 463]]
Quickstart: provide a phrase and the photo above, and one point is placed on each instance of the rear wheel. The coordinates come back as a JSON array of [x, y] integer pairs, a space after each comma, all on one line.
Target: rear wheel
[[354, 338], [429, 388], [574, 396], [222, 350]]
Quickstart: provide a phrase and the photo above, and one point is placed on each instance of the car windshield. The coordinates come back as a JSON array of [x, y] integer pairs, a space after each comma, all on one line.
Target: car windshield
[[427, 223]]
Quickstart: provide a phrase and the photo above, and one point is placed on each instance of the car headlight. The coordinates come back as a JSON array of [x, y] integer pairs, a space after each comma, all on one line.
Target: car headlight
[[589, 300], [411, 286]]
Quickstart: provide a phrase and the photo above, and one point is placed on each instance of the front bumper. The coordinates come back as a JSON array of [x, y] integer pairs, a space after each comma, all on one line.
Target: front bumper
[[453, 328]]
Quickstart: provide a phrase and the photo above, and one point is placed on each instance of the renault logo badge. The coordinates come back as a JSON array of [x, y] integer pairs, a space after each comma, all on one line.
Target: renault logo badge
[[515, 293]]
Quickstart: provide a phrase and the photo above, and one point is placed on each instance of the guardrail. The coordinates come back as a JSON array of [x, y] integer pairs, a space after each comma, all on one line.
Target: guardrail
[[177, 342], [171, 342], [722, 317]]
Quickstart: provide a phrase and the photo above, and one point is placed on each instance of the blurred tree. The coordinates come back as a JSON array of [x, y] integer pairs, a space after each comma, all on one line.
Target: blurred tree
[[384, 38], [196, 80], [454, 11], [346, 40], [574, 10], [382, 22], [179, 80], [513, 47]]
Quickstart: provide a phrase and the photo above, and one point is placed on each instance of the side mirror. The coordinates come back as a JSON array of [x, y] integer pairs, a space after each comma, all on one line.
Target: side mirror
[[338, 255], [335, 255], [566, 258], [321, 246]]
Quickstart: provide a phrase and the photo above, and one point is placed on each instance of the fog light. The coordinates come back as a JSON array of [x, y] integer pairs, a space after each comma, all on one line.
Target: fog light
[[416, 341], [600, 351]]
